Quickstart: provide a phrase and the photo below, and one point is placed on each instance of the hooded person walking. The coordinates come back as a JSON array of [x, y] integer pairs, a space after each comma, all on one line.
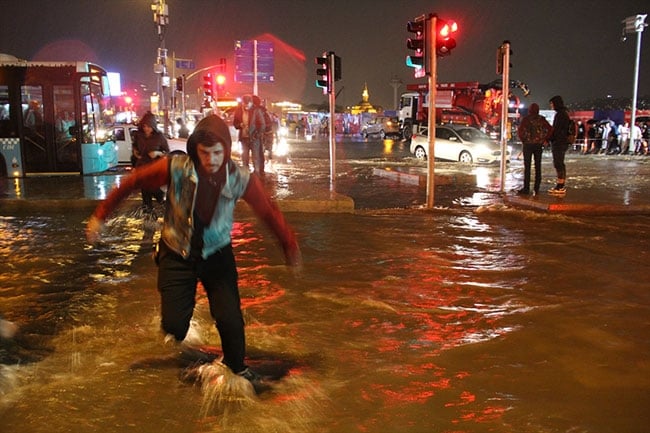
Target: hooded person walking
[[149, 144], [202, 189]]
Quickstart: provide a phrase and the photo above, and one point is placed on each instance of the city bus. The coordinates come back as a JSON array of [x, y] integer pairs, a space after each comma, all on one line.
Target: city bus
[[52, 118]]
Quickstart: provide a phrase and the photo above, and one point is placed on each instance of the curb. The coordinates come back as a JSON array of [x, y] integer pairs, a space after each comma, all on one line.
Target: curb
[[577, 208], [421, 180]]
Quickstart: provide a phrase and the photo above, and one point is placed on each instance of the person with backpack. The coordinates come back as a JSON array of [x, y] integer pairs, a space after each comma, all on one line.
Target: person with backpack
[[559, 139], [533, 130], [256, 131]]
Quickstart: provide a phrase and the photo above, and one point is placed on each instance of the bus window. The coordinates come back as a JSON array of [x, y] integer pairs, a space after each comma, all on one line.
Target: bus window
[[6, 126], [93, 109], [66, 148], [32, 99]]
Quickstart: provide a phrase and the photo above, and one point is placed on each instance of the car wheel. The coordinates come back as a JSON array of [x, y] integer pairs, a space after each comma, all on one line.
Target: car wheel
[[382, 134], [420, 153], [364, 134], [407, 132], [465, 157]]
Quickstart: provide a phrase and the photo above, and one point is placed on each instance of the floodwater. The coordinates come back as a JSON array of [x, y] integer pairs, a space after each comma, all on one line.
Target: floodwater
[[459, 319]]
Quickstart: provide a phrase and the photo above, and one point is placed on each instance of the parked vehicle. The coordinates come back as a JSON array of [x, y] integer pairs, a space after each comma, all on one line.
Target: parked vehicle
[[461, 143], [123, 134], [381, 125]]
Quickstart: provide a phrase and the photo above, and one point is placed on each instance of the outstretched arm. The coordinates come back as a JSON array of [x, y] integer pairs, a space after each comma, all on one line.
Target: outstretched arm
[[150, 176]]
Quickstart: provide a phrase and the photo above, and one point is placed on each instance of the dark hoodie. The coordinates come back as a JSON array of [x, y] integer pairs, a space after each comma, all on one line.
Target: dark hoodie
[[559, 135], [533, 128], [143, 145]]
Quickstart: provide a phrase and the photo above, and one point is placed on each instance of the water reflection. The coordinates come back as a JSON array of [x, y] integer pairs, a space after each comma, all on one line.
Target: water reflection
[[408, 321]]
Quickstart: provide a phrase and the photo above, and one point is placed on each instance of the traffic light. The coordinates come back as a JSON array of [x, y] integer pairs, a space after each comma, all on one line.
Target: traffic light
[[445, 41], [323, 71], [207, 85], [420, 44], [501, 54], [337, 68], [221, 81], [179, 84]]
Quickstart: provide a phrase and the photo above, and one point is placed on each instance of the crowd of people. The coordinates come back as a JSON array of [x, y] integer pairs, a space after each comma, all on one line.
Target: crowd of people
[[606, 137]]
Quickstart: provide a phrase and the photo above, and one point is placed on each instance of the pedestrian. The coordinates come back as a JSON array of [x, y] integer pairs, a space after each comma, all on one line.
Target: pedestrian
[[149, 144], [624, 137], [256, 131], [241, 122], [203, 187], [533, 130], [559, 143], [580, 138], [183, 130]]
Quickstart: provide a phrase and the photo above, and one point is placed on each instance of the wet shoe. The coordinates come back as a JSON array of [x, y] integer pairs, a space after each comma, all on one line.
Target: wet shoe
[[260, 383], [250, 376], [558, 190]]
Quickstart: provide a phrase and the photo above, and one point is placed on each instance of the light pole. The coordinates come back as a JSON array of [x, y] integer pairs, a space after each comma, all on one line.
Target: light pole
[[634, 24], [161, 20], [395, 82]]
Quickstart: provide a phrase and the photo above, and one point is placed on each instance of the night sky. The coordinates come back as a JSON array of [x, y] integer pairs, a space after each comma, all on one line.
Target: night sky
[[571, 48]]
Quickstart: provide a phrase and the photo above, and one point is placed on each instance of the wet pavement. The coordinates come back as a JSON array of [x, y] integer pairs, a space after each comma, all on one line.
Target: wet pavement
[[604, 185]]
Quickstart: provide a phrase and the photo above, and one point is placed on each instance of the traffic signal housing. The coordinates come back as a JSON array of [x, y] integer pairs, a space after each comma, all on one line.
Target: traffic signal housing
[[419, 43], [179, 83], [323, 70], [445, 41], [207, 85]]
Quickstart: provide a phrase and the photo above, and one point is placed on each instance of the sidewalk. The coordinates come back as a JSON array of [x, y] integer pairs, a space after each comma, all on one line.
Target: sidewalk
[[592, 197], [599, 199]]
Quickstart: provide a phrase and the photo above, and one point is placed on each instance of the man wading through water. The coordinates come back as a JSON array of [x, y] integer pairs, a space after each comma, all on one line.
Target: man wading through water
[[202, 189]]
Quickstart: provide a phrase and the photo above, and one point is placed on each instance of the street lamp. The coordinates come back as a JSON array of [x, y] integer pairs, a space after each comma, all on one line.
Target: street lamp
[[634, 24]]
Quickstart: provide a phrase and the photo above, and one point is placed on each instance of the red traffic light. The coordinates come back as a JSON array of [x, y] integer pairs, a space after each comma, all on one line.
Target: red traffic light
[[207, 85], [445, 41]]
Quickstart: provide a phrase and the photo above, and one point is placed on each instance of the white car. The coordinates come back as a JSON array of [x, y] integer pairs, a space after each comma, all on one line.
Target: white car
[[461, 143], [123, 134]]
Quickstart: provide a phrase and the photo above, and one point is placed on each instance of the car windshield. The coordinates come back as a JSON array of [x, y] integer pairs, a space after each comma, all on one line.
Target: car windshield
[[472, 134]]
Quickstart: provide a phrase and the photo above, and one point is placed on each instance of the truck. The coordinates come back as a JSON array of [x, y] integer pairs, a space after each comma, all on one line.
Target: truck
[[466, 102]]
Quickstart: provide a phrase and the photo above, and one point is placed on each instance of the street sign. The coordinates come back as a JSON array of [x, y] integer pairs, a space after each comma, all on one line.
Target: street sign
[[185, 64], [247, 53]]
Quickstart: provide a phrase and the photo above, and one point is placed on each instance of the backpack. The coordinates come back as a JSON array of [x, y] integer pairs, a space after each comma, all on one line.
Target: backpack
[[572, 133], [268, 122]]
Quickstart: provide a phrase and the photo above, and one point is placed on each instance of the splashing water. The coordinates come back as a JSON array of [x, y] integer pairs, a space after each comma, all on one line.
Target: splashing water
[[222, 389]]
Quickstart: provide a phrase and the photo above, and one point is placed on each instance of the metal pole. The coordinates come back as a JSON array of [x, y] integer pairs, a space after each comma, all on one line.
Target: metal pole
[[431, 127], [255, 67], [640, 24], [505, 87], [332, 128]]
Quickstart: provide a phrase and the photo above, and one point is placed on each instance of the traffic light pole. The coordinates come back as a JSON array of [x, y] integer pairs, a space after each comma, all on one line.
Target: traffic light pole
[[505, 83], [332, 126], [431, 127]]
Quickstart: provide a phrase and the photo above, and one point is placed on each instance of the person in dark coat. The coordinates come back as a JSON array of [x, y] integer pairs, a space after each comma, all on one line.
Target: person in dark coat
[[149, 144], [533, 131], [559, 143]]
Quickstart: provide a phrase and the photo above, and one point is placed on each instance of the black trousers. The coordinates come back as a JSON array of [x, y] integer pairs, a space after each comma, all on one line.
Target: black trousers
[[177, 282], [532, 152], [558, 152]]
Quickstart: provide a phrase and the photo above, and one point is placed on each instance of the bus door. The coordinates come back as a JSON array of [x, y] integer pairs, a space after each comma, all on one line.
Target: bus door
[[35, 148], [48, 120], [67, 150]]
